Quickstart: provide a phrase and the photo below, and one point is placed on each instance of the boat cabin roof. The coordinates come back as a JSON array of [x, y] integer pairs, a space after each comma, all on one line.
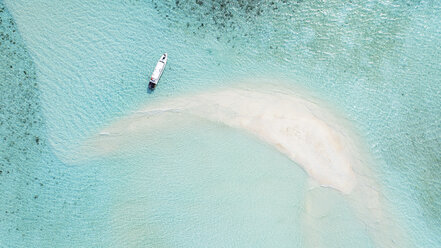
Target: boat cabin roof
[[157, 72]]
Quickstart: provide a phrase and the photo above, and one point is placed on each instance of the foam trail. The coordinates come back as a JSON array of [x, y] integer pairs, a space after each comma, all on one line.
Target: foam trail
[[312, 136]]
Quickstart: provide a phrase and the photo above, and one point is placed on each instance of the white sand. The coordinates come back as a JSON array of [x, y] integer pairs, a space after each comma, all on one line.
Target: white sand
[[308, 133], [298, 128]]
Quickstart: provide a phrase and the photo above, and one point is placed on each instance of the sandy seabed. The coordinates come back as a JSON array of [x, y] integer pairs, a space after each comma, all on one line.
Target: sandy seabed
[[314, 136]]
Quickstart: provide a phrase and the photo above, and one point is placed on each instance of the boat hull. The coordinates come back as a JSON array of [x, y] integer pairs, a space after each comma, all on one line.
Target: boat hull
[[157, 73]]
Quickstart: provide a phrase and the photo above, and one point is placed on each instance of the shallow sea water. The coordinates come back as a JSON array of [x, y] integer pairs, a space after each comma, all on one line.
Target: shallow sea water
[[70, 68]]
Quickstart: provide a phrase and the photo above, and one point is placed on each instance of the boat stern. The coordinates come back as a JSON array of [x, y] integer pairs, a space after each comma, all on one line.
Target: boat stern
[[152, 85]]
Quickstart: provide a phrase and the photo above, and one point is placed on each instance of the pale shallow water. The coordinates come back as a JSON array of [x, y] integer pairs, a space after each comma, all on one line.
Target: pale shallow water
[[70, 69]]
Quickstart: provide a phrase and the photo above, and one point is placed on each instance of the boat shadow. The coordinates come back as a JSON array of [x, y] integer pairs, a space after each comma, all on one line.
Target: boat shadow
[[149, 90]]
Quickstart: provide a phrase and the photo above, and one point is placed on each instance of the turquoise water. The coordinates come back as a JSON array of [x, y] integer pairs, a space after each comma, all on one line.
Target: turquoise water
[[70, 68]]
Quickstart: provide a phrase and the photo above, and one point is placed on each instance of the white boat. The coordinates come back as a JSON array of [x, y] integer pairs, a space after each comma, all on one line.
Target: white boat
[[154, 79]]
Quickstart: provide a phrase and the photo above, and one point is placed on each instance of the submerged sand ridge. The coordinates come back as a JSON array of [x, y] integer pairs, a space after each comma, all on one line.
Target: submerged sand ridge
[[313, 136], [294, 126]]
